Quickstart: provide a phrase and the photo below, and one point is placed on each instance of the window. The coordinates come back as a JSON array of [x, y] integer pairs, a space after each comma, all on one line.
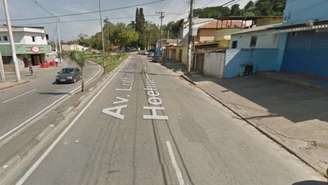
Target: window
[[5, 38], [33, 38], [234, 44], [253, 42]]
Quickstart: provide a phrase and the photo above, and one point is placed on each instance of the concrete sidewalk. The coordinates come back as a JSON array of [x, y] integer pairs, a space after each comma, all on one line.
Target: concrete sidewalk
[[294, 116]]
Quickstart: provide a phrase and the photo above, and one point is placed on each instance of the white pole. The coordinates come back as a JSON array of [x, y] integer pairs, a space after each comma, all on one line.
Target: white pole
[[101, 27], [190, 36], [2, 70], [11, 39], [59, 39]]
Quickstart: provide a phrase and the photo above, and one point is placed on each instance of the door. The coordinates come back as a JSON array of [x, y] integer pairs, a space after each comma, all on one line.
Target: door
[[307, 53], [199, 63]]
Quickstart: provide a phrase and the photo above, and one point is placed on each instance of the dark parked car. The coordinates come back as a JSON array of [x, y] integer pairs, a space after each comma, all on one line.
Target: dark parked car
[[68, 75], [156, 58]]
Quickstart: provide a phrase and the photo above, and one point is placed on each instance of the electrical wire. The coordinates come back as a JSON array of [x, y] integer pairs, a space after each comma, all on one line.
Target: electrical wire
[[88, 12]]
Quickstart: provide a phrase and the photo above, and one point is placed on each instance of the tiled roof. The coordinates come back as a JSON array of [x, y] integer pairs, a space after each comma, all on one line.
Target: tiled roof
[[222, 24]]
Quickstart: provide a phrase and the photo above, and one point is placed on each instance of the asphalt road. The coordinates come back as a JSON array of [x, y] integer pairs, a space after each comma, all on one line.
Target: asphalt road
[[149, 127], [20, 103]]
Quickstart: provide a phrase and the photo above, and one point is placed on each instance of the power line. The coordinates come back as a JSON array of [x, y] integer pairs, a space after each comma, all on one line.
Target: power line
[[86, 20], [88, 12]]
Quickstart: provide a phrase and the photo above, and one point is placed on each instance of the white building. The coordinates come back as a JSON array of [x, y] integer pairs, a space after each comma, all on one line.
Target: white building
[[31, 44], [74, 47], [257, 37]]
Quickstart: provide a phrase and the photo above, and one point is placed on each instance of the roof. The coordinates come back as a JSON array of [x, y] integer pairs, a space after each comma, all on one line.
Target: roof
[[286, 28], [223, 24], [30, 29], [197, 21], [258, 29], [248, 17]]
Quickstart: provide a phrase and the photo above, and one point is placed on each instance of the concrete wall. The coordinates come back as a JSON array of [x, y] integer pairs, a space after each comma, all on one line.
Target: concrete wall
[[206, 35], [264, 40], [300, 11], [26, 38], [214, 64], [261, 59]]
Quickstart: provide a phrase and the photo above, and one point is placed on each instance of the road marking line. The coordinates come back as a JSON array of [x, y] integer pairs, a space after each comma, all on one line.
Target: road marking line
[[18, 96], [175, 164], [87, 82], [44, 110], [23, 179]]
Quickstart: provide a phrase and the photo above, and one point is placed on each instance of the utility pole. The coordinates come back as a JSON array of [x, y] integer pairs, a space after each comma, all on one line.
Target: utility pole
[[2, 70], [190, 41], [12, 42], [59, 39], [59, 45], [102, 33], [162, 15]]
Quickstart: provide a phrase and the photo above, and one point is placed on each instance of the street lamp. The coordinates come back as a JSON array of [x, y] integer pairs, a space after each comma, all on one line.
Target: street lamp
[[11, 39]]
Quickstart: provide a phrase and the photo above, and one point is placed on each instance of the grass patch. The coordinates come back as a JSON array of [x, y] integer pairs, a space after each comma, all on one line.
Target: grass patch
[[109, 62]]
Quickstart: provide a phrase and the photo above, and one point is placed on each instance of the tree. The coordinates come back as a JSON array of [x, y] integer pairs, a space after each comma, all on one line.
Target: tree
[[173, 28], [249, 9], [80, 60], [127, 37], [258, 8], [212, 12], [263, 7], [140, 26], [235, 10]]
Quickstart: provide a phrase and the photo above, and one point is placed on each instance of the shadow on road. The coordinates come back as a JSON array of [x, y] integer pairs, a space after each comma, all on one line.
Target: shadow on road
[[311, 183], [53, 93]]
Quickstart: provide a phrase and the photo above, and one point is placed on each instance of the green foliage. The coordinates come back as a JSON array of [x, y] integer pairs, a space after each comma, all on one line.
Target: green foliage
[[79, 58], [140, 26], [235, 10], [212, 12], [173, 29], [152, 33], [249, 9], [110, 61], [253, 8], [119, 34]]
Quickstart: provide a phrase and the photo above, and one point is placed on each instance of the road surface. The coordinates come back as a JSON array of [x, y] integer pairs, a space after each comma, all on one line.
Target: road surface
[[20, 103], [149, 127]]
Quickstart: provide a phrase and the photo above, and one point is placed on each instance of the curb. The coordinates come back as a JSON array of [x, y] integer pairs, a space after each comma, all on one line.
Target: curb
[[291, 151], [189, 80], [14, 85], [21, 166]]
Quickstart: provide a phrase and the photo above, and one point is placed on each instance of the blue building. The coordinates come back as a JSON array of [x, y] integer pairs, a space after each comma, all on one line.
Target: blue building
[[301, 48], [306, 47]]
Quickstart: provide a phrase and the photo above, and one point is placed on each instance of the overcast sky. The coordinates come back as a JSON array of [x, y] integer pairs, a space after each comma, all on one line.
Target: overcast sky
[[70, 30]]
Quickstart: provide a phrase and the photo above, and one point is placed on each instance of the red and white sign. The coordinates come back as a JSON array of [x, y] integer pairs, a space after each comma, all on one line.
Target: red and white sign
[[35, 49]]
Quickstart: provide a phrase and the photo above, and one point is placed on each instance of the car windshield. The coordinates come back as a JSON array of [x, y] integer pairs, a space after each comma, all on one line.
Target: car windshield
[[67, 70]]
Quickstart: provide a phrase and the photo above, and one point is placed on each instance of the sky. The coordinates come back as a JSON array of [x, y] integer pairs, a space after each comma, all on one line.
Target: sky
[[72, 26]]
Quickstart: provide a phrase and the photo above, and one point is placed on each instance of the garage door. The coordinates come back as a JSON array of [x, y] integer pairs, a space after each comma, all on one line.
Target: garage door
[[307, 53]]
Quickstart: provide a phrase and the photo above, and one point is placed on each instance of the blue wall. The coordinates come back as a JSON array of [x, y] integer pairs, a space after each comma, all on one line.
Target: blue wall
[[300, 11], [262, 60]]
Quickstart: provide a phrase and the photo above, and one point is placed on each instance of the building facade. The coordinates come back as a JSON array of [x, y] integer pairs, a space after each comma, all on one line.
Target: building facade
[[305, 50], [31, 45], [298, 46]]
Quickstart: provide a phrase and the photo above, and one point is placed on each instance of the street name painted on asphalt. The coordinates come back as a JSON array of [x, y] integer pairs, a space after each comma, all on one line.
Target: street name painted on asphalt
[[155, 102], [121, 102]]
